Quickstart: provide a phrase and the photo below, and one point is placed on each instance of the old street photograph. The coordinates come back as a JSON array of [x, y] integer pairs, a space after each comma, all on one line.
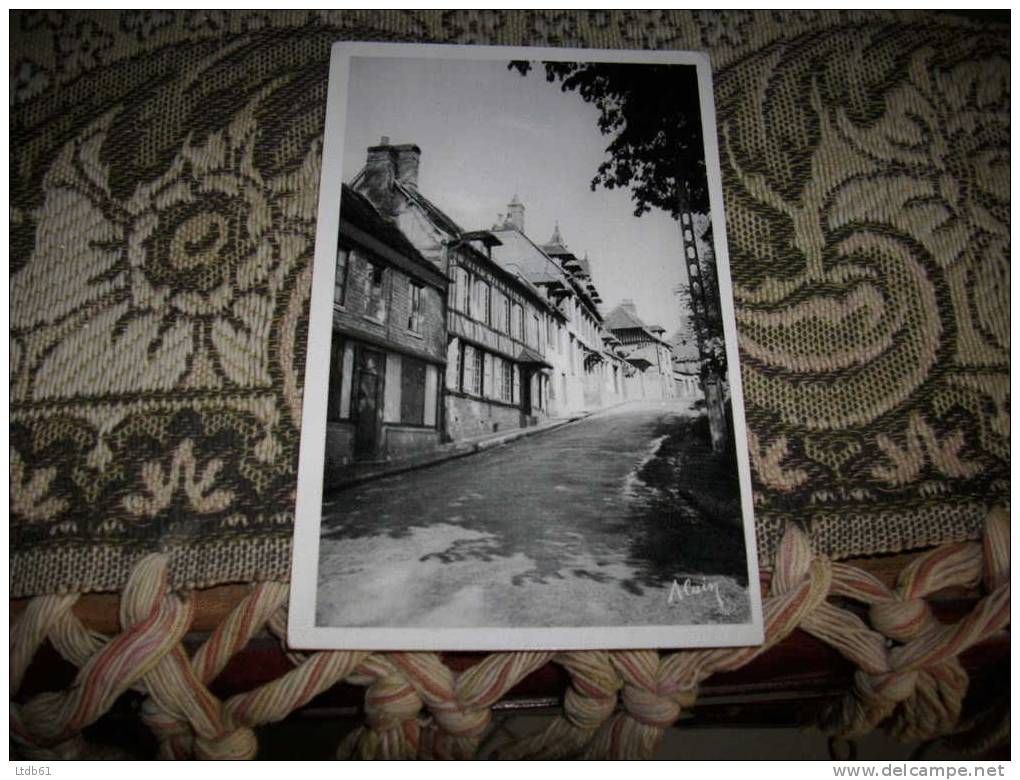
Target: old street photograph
[[528, 413]]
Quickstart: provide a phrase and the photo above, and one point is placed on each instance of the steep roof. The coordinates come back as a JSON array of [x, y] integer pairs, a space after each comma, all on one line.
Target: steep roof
[[412, 194], [517, 252], [585, 265], [358, 210], [624, 318], [576, 272], [496, 241], [621, 318], [434, 212], [556, 244]]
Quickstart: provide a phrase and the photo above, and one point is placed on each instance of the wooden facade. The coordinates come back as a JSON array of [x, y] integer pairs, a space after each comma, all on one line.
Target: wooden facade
[[387, 353]]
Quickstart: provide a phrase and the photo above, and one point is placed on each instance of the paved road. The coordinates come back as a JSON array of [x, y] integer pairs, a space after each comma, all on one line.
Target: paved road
[[547, 530]]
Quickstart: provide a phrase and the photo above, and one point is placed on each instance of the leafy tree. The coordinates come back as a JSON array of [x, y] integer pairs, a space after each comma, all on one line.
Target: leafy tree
[[653, 114]]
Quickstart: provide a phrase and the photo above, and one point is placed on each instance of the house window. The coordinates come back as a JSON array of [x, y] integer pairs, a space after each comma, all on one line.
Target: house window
[[334, 409], [375, 302], [479, 360], [497, 377], [473, 368], [414, 314], [507, 384], [506, 316], [488, 385], [412, 391], [467, 367], [480, 301], [340, 279], [518, 322], [463, 299], [536, 332]]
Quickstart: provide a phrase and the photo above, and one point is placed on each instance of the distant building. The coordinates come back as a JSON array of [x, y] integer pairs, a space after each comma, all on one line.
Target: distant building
[[646, 350], [388, 349], [498, 323], [603, 367], [586, 372]]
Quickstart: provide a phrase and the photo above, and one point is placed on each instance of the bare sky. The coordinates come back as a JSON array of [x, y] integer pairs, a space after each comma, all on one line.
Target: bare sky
[[487, 133]]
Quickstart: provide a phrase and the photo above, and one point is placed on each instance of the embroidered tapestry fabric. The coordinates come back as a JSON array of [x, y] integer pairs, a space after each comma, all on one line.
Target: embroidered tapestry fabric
[[164, 184]]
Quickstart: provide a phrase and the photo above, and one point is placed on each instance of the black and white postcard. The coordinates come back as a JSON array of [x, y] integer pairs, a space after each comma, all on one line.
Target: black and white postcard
[[523, 423]]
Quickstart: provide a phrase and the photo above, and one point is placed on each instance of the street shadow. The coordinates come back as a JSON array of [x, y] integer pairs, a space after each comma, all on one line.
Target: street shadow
[[681, 517], [688, 521], [517, 516], [468, 549]]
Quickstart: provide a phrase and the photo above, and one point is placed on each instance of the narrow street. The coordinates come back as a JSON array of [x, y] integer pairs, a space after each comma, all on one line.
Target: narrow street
[[566, 527]]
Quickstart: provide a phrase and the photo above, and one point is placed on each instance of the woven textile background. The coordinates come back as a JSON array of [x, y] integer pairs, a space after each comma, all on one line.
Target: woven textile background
[[164, 181]]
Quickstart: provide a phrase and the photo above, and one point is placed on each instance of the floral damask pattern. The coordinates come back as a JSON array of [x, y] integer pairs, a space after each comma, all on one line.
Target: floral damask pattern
[[869, 239], [182, 473], [176, 285], [83, 48], [163, 195], [152, 396], [943, 140], [29, 493], [717, 28], [27, 80], [144, 24]]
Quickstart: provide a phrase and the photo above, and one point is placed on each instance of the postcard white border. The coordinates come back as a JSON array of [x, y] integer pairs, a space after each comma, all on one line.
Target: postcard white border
[[302, 631]]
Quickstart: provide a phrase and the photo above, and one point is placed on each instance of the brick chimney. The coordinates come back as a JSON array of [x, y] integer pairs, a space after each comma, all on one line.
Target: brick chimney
[[627, 304], [408, 156], [515, 213], [385, 165], [380, 173]]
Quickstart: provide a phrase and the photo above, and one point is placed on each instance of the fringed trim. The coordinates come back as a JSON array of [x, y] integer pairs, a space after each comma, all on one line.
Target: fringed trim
[[617, 706]]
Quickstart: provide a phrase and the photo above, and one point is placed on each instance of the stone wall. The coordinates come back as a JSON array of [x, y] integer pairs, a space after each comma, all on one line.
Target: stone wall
[[467, 417], [339, 449], [401, 441], [398, 442]]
